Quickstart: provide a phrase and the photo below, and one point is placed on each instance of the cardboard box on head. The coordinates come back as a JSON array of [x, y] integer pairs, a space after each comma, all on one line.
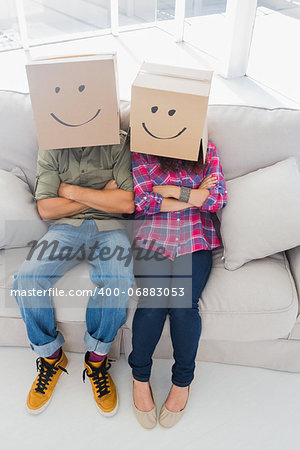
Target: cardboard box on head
[[75, 101], [168, 111]]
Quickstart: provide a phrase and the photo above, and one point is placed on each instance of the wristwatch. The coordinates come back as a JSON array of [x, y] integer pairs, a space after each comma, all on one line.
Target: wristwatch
[[185, 193]]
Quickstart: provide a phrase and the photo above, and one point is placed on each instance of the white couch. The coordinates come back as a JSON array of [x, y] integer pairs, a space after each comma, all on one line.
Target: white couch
[[250, 316]]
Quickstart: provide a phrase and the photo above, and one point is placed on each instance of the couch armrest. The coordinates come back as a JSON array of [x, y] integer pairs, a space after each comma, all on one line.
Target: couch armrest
[[293, 256]]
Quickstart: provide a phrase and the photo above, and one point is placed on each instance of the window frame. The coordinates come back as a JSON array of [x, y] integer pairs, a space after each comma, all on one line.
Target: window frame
[[240, 19]]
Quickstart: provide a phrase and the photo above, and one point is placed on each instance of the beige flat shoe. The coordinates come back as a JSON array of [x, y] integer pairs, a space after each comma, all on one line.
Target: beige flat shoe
[[147, 419], [168, 419]]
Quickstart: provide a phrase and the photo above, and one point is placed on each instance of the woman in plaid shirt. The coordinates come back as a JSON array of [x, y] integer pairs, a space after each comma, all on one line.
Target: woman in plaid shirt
[[173, 247]]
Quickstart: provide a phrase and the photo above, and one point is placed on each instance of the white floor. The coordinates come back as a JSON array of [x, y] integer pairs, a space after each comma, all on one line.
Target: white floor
[[230, 408]]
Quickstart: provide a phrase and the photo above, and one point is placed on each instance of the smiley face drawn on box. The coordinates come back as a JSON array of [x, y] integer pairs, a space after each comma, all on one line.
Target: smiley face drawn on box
[[167, 123], [171, 113], [168, 112], [81, 88], [75, 101]]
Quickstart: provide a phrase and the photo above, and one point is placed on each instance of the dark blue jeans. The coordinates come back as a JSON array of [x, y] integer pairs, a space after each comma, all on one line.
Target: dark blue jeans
[[188, 271]]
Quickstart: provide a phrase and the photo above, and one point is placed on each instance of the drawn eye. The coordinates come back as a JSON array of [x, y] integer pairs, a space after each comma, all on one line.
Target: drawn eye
[[154, 109], [57, 89], [172, 112], [81, 88]]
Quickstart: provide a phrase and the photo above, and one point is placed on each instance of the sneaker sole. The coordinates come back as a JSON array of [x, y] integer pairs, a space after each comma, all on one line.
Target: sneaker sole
[[35, 412], [103, 413], [111, 413]]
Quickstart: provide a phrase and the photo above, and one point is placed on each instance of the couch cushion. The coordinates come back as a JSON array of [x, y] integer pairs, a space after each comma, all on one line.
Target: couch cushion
[[249, 138], [20, 222], [17, 134], [261, 217], [257, 301], [294, 260]]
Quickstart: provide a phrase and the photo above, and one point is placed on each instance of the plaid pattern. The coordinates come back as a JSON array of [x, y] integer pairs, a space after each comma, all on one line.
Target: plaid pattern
[[179, 232]]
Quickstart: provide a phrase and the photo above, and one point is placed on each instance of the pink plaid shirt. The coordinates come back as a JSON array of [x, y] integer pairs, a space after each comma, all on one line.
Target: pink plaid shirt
[[181, 232]]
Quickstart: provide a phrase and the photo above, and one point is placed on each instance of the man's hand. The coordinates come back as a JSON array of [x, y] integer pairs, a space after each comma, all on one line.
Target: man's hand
[[66, 191], [111, 200], [58, 207], [111, 185]]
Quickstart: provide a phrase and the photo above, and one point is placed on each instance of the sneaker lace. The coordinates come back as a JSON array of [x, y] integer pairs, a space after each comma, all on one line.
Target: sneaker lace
[[46, 373], [99, 375]]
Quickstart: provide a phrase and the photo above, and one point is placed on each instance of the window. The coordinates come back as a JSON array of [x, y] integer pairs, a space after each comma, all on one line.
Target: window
[[50, 20], [165, 15], [9, 28], [275, 48], [258, 37], [133, 12], [204, 25], [141, 12]]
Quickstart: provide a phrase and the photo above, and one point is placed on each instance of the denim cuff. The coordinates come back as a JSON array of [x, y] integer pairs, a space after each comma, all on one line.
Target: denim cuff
[[48, 349], [94, 345], [181, 384], [137, 378]]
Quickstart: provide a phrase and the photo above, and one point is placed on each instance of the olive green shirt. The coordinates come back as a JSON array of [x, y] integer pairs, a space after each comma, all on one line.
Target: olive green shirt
[[91, 167]]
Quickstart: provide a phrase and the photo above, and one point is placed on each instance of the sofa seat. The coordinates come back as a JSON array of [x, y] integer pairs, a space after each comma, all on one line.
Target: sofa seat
[[293, 256], [234, 307]]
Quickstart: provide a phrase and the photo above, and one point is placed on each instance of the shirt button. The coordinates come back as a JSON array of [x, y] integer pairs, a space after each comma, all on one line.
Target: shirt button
[[145, 198], [176, 239], [178, 220], [82, 171]]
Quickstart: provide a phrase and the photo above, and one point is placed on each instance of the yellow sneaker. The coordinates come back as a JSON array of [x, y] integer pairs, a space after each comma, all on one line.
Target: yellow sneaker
[[104, 388], [42, 389]]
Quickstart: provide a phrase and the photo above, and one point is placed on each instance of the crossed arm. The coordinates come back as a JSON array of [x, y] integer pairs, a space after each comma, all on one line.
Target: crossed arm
[[73, 199], [171, 195]]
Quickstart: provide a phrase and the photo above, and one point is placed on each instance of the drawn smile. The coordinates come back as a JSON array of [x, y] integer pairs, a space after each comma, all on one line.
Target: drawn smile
[[71, 125], [157, 137]]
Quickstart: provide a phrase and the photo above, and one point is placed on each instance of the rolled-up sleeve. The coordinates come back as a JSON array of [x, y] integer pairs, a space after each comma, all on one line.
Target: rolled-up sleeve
[[122, 163], [218, 194], [47, 177], [146, 200]]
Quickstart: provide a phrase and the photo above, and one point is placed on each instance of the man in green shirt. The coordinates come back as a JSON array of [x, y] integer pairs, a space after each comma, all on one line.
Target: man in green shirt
[[84, 193]]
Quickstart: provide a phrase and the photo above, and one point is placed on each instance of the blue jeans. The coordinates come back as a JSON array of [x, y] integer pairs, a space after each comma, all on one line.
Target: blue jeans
[[185, 321], [105, 313]]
